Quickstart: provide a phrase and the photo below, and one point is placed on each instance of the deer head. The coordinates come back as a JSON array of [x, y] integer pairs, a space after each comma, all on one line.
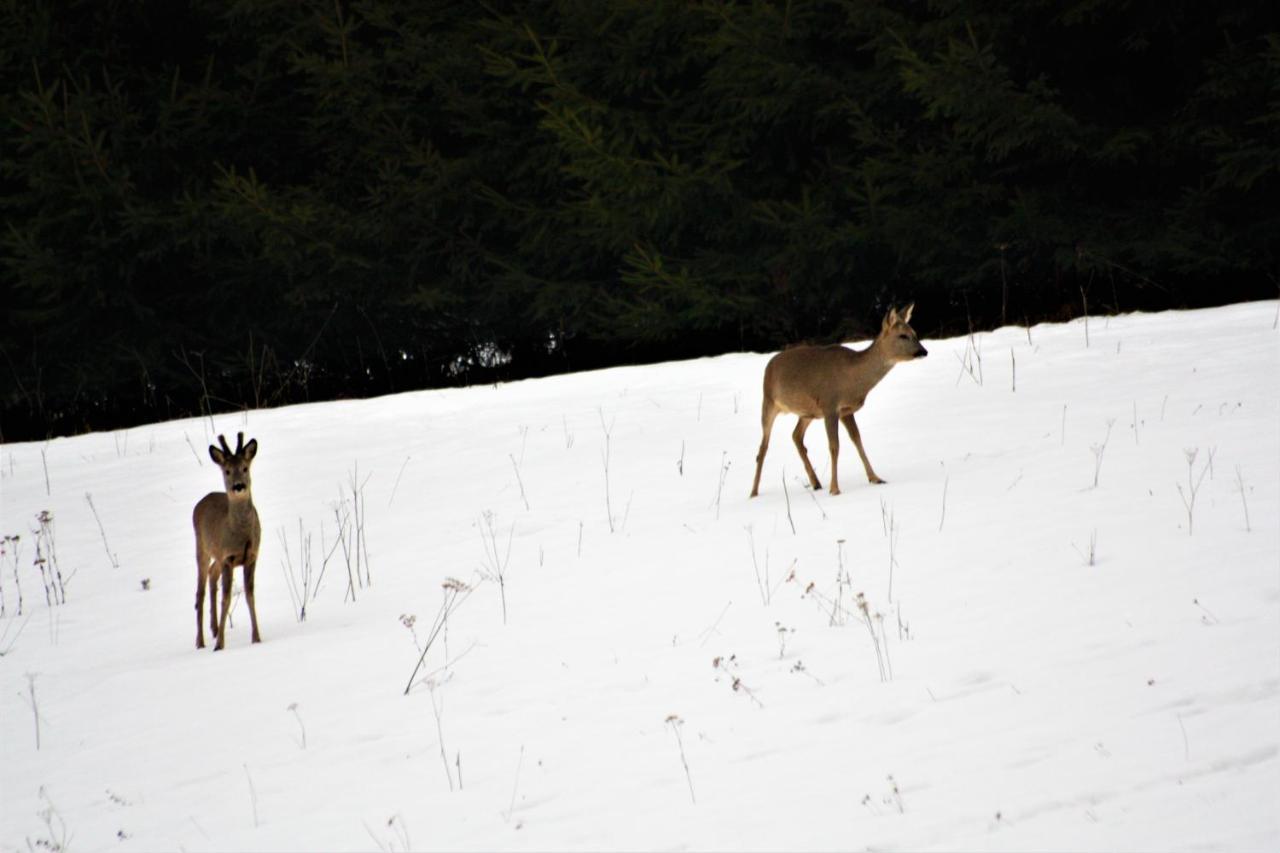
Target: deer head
[[235, 466], [897, 339]]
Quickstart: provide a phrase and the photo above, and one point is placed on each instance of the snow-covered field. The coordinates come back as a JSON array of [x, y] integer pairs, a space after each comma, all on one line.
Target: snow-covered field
[[1056, 652]]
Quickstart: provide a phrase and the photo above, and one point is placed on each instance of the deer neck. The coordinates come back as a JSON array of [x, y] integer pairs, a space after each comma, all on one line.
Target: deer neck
[[872, 365], [240, 512]]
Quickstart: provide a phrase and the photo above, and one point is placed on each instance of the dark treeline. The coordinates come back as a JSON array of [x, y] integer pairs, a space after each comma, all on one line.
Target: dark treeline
[[211, 204]]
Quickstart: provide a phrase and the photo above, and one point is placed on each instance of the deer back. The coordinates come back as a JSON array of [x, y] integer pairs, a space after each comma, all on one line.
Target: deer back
[[814, 380]]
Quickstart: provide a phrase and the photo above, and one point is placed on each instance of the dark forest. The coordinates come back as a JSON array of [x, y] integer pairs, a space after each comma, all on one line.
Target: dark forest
[[210, 205]]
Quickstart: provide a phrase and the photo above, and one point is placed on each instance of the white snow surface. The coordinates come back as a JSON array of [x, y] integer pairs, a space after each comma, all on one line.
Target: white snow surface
[[700, 676]]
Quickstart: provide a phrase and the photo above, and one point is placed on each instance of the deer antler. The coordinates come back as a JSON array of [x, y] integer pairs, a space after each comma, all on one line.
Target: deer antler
[[222, 439], [239, 443]]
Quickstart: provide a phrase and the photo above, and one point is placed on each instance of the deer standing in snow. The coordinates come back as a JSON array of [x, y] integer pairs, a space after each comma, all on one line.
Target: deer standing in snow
[[832, 382], [227, 535]]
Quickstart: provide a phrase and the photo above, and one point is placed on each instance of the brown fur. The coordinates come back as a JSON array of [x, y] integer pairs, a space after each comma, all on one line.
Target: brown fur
[[227, 535], [832, 383]]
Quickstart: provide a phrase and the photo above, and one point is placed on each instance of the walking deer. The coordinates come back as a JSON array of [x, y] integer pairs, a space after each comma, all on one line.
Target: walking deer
[[832, 383], [227, 535]]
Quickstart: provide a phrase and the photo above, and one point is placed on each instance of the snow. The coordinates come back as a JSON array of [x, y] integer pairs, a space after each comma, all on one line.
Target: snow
[[1031, 699]]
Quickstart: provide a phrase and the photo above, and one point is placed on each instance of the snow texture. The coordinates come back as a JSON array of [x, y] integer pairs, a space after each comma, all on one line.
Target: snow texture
[[1055, 653]]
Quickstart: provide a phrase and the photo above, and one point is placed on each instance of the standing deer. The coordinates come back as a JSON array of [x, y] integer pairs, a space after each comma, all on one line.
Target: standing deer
[[832, 383], [227, 535]]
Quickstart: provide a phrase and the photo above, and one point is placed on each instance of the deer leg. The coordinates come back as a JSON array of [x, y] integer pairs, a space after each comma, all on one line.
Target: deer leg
[[213, 603], [226, 606], [852, 426], [832, 423], [797, 435], [767, 417], [248, 596], [200, 601]]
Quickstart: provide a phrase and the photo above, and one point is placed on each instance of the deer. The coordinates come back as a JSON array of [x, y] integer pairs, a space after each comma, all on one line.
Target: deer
[[227, 535], [832, 383]]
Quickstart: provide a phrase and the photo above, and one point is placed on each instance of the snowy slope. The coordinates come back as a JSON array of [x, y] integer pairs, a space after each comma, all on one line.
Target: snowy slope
[[1002, 691]]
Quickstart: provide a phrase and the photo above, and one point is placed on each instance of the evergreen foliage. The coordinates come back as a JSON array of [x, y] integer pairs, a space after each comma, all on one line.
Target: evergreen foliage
[[210, 205]]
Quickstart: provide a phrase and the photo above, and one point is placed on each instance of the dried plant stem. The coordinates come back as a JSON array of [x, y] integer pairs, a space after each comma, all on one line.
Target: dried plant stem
[[294, 708], [675, 722], [787, 496], [515, 786], [875, 639], [199, 461], [253, 796], [403, 465], [35, 708], [1193, 487], [1099, 450], [444, 758], [724, 472], [813, 495], [297, 582], [842, 581], [455, 593], [946, 481], [893, 544], [1091, 557], [1243, 500], [519, 480], [115, 564], [496, 567], [604, 458]]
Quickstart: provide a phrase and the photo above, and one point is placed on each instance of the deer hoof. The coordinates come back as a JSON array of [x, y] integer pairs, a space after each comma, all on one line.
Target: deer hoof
[[835, 490], [877, 481]]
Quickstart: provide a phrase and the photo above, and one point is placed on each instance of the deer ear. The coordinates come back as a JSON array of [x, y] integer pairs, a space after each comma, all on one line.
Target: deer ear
[[251, 450], [906, 312], [219, 458], [890, 319]]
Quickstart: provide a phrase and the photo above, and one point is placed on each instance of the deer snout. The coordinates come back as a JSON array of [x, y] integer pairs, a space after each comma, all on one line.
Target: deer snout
[[238, 487], [922, 352]]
